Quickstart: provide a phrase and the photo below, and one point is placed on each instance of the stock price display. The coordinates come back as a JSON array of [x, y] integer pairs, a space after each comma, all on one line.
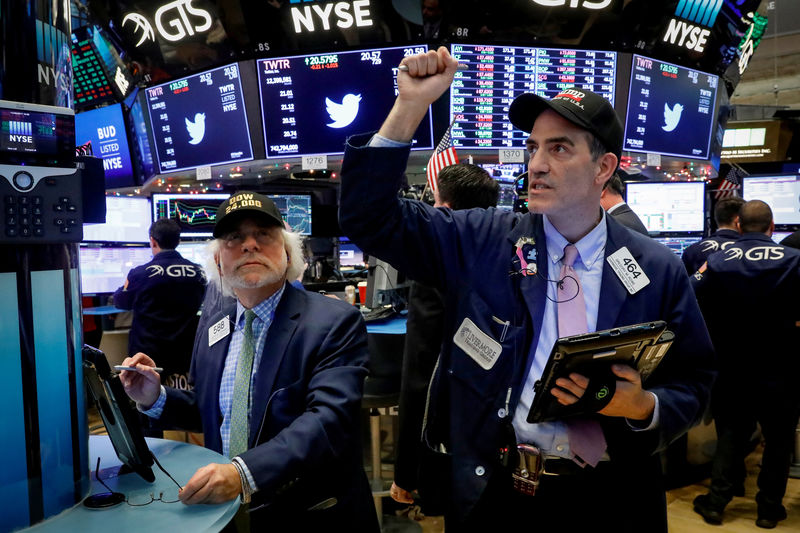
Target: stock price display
[[670, 109], [495, 75], [311, 104], [200, 120]]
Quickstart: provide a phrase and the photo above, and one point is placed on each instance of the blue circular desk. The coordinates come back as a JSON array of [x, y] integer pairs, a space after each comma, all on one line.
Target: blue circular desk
[[181, 460]]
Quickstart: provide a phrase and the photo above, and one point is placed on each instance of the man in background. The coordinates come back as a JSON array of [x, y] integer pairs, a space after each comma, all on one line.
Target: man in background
[[613, 201], [748, 295], [164, 295], [726, 215], [278, 375], [460, 186]]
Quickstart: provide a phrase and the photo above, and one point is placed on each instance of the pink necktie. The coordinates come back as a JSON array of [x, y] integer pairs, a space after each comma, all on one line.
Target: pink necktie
[[586, 438]]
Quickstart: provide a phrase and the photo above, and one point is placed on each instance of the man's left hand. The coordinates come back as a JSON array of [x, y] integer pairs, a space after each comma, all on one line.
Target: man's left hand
[[214, 483], [630, 399]]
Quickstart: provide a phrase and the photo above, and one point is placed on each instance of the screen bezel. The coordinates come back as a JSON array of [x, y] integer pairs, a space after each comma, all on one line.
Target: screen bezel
[[64, 156], [712, 114], [671, 233]]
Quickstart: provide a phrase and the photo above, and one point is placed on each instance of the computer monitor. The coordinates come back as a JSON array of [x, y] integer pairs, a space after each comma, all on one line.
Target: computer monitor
[[105, 129], [671, 109], [310, 104], [196, 214], [104, 269], [496, 74], [127, 221], [200, 120], [350, 255], [296, 210], [193, 251], [507, 197], [678, 244], [780, 191], [778, 236], [504, 172], [670, 206]]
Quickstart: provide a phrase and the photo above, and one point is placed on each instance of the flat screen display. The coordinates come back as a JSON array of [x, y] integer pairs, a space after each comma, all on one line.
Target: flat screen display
[[141, 138], [350, 255], [672, 206], [105, 129], [200, 120], [504, 172], [104, 270], [296, 210], [36, 134], [778, 236], [495, 75], [678, 245], [670, 109], [195, 213], [89, 79], [310, 104], [193, 251], [127, 220], [780, 192]]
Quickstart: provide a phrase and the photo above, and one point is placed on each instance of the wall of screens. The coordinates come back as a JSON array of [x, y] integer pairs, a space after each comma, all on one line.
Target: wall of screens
[[310, 104], [670, 109], [495, 75], [200, 120]]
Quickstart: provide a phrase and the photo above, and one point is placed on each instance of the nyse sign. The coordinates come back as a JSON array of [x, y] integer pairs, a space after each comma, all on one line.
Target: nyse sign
[[174, 21], [344, 15]]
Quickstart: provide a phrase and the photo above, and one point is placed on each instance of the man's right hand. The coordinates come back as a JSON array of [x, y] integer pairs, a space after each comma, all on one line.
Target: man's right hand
[[429, 75], [143, 386]]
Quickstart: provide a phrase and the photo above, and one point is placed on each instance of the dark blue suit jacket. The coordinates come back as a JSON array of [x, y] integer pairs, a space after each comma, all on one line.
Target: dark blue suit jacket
[[304, 436], [470, 255], [695, 255]]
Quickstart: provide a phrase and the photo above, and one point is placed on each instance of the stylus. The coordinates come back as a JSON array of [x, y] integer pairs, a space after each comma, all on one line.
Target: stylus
[[134, 369]]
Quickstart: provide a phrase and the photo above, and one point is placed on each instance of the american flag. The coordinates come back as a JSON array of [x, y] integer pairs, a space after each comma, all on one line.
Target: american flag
[[444, 155], [730, 185]]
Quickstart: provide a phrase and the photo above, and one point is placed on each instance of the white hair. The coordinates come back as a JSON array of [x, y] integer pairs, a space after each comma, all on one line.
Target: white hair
[[292, 242]]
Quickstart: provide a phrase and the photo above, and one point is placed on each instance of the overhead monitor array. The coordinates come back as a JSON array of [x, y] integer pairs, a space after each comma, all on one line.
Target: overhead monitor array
[[200, 120], [495, 75], [310, 104], [671, 109]]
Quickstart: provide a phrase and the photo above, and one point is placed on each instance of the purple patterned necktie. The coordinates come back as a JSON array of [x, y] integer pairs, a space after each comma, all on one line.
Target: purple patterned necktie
[[586, 438]]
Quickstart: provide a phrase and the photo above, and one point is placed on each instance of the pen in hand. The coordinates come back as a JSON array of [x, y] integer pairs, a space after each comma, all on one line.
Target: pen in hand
[[134, 369]]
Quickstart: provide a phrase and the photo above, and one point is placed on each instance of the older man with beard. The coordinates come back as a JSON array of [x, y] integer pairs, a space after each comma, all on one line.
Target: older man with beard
[[278, 377]]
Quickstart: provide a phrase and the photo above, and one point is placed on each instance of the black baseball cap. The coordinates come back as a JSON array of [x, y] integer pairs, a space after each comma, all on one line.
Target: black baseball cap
[[583, 108], [245, 204]]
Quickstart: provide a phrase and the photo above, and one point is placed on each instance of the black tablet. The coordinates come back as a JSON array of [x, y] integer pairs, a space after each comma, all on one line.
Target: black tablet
[[641, 346], [118, 415]]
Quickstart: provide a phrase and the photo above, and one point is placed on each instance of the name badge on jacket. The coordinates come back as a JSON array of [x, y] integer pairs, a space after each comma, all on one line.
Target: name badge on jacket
[[483, 349], [218, 331], [628, 270]]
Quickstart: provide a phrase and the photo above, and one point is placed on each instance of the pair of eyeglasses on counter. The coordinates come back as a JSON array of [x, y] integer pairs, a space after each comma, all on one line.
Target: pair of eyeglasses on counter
[[111, 498]]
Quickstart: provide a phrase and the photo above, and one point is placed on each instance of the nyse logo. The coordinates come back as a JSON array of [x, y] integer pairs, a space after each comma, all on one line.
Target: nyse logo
[[173, 22], [343, 14], [574, 3], [693, 37]]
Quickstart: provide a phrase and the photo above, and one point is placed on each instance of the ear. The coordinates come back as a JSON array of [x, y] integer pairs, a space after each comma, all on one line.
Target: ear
[[606, 165]]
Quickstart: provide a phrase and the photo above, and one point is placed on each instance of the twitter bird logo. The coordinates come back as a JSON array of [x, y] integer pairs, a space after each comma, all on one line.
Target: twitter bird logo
[[196, 129], [345, 113], [671, 116]]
